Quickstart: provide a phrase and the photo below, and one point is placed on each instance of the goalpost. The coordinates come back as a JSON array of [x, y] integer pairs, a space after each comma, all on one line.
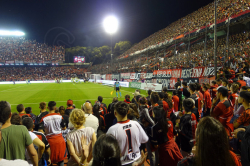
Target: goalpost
[[95, 77]]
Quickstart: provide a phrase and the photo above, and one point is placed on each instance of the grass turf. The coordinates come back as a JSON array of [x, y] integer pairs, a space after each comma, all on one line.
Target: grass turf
[[31, 95]]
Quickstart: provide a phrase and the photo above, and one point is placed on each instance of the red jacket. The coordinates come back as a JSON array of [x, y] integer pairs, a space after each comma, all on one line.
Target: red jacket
[[207, 99], [126, 101], [176, 103]]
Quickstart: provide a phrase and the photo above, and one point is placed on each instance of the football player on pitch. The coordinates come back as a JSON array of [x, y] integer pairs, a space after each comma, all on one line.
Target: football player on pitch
[[117, 87]]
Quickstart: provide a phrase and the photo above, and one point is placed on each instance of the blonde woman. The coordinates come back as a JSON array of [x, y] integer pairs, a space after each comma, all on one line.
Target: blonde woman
[[77, 118]]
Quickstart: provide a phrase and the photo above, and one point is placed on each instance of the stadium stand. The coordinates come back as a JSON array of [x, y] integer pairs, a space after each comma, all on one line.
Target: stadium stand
[[19, 49], [187, 138]]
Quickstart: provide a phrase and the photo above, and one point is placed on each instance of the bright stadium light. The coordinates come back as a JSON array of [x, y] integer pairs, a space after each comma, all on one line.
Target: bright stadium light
[[110, 24], [11, 33]]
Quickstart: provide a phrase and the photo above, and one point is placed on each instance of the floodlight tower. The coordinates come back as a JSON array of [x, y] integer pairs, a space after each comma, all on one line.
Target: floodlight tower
[[110, 25]]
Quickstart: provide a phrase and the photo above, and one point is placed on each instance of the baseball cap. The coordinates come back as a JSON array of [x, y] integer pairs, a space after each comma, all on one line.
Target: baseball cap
[[69, 102]]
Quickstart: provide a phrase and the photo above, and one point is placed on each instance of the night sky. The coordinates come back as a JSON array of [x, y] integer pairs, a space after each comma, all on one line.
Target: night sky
[[79, 22]]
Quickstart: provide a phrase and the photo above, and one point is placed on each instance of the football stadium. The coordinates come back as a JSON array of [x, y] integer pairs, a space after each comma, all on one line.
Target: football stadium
[[125, 83]]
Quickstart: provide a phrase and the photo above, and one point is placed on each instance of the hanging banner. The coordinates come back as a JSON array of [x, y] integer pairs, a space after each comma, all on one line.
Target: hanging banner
[[132, 76], [195, 72], [108, 76], [149, 76], [162, 74], [125, 75], [143, 75], [176, 73], [103, 77], [116, 77]]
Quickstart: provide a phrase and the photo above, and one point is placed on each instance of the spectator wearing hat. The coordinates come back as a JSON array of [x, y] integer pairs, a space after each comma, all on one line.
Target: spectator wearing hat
[[69, 107]]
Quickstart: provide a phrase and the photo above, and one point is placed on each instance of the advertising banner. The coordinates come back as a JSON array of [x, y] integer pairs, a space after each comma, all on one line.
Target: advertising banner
[[9, 62], [151, 86], [17, 61], [135, 85]]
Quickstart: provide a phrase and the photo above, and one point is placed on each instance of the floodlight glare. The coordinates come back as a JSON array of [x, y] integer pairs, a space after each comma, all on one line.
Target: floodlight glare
[[110, 24], [11, 33]]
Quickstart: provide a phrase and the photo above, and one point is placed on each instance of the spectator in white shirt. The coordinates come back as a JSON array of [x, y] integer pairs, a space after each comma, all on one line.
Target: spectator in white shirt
[[91, 120]]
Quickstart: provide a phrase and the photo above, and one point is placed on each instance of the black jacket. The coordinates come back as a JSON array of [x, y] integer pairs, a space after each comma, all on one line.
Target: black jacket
[[245, 146]]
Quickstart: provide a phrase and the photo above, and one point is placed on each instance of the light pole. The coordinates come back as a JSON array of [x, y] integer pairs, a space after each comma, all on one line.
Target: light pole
[[110, 25]]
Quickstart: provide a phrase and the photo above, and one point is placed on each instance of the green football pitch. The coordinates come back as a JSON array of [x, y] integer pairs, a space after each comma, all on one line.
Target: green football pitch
[[32, 94]]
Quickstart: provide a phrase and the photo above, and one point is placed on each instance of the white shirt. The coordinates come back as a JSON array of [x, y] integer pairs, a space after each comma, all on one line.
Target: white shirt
[[130, 136], [52, 124], [91, 121], [247, 79], [75, 137], [18, 162], [33, 136]]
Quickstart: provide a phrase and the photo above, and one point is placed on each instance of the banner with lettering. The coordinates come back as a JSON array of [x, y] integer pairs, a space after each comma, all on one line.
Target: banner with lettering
[[125, 75], [169, 77], [108, 76], [115, 76]]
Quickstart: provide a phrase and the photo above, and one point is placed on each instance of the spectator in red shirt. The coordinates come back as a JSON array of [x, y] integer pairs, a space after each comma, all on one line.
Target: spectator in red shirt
[[21, 110], [222, 110], [168, 103], [241, 81], [219, 82], [232, 73], [176, 101], [244, 119], [233, 97], [197, 91], [127, 99], [214, 89], [206, 100]]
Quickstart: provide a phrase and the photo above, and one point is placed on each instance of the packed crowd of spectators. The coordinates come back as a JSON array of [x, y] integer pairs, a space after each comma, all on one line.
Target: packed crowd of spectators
[[195, 20], [197, 124], [238, 52], [148, 61], [40, 73], [19, 49]]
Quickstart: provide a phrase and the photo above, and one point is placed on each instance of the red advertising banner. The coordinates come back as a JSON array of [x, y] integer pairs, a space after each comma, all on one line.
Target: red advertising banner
[[108, 76]]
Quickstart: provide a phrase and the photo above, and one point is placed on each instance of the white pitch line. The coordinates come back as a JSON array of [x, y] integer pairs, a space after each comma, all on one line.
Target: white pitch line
[[7, 90], [62, 101], [45, 89]]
